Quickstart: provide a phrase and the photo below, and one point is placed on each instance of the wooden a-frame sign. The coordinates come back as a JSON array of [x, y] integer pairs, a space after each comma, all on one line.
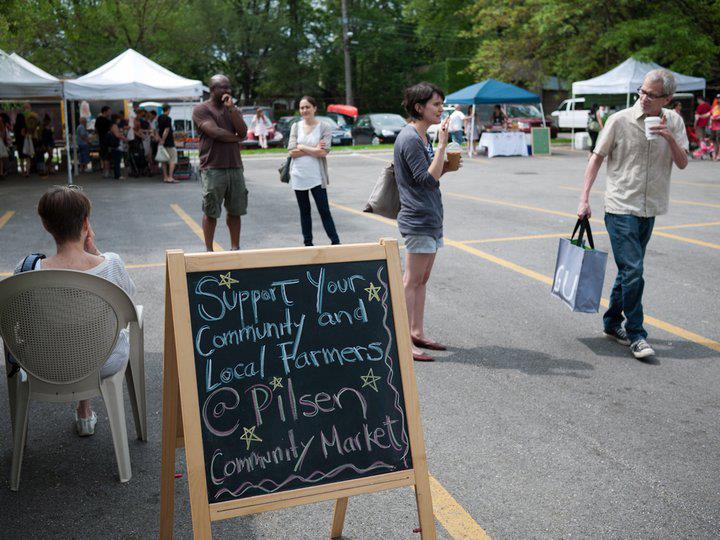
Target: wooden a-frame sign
[[181, 421]]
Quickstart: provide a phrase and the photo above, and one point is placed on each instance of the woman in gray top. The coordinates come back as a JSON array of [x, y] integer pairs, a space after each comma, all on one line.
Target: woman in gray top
[[417, 171]]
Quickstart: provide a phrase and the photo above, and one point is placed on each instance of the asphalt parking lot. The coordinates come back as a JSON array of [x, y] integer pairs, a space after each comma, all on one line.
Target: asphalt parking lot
[[536, 426]]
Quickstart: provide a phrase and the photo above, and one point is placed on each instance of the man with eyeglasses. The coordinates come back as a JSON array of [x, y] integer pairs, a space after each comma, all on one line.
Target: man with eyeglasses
[[638, 189]]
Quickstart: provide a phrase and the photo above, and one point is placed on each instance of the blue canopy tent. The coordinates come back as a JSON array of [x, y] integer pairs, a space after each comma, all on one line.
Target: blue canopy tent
[[492, 91]]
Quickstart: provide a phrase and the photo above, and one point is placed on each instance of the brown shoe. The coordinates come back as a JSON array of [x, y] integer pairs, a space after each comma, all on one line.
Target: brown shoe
[[427, 344], [423, 358]]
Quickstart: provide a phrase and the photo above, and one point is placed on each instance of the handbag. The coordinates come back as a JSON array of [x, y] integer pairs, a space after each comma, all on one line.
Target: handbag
[[284, 170], [162, 155], [28, 147], [579, 271], [385, 198]]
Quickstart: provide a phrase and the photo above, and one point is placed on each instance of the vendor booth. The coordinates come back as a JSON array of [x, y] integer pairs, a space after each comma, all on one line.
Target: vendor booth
[[134, 77], [23, 81], [628, 77], [495, 92]]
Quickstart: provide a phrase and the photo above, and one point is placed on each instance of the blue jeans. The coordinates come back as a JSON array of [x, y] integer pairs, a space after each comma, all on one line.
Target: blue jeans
[[117, 156], [321, 201], [629, 236], [457, 136]]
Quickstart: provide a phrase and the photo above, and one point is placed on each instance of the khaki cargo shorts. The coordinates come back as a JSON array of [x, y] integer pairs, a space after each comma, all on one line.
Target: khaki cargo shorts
[[220, 185]]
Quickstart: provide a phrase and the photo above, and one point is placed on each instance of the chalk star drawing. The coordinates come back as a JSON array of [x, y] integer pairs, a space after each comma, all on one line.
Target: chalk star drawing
[[370, 380], [249, 435], [373, 291], [276, 383], [226, 280]]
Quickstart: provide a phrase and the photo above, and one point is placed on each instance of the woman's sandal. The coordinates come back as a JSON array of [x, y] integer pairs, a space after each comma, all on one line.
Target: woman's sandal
[[427, 344]]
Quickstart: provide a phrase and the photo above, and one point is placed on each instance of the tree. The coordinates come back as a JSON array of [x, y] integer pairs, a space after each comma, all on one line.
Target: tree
[[524, 41]]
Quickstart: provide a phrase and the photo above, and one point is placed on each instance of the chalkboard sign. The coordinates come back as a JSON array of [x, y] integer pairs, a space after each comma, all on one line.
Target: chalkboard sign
[[298, 377], [541, 141], [288, 379]]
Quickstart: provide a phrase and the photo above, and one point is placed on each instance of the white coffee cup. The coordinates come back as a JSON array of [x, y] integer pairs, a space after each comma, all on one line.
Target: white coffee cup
[[651, 121]]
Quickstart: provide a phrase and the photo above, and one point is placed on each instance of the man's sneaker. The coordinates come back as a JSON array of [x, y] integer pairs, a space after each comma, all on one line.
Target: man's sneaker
[[85, 426], [618, 335], [641, 349]]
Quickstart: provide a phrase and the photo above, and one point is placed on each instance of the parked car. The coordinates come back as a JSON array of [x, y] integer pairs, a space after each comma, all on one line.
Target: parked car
[[525, 117], [570, 114], [274, 137], [253, 109], [432, 131], [344, 122], [283, 126], [377, 128], [340, 136]]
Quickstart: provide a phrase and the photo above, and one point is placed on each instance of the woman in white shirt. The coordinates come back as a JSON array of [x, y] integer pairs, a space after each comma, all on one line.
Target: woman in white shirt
[[65, 214], [309, 144], [259, 126]]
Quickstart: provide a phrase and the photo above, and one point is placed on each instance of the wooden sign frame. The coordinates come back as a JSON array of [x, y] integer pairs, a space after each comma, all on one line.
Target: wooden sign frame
[[181, 418]]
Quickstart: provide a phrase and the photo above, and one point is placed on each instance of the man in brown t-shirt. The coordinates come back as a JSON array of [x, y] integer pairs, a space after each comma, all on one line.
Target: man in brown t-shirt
[[221, 128]]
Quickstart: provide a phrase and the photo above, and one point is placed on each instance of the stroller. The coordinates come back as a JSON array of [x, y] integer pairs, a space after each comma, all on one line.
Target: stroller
[[705, 150], [139, 165]]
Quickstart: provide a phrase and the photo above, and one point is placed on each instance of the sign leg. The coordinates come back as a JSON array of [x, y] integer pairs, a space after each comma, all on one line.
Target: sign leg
[[425, 509], [170, 420], [338, 517]]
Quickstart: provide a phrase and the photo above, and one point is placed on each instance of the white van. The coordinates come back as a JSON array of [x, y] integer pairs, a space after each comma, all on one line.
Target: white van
[[567, 117]]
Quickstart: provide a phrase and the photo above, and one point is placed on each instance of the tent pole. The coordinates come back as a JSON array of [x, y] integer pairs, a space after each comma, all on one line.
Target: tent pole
[[572, 122], [471, 143], [67, 145], [73, 124], [627, 102], [542, 111]]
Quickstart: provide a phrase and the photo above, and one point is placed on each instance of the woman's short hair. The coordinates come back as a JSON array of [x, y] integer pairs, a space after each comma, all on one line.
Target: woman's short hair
[[419, 94], [311, 100], [63, 211]]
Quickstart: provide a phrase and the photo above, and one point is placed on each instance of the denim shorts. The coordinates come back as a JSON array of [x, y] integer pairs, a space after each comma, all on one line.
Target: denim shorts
[[420, 243]]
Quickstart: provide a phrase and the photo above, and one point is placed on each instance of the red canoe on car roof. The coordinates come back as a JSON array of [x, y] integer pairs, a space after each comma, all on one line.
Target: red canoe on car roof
[[347, 110]]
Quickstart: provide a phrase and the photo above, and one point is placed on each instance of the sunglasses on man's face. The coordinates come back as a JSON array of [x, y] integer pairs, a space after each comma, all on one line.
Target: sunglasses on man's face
[[643, 93]]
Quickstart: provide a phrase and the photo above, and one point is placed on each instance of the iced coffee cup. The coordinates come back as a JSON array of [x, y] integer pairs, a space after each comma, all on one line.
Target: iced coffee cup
[[649, 122], [453, 154]]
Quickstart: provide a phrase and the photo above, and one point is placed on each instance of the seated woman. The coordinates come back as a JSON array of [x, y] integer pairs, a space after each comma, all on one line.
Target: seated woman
[[65, 214]]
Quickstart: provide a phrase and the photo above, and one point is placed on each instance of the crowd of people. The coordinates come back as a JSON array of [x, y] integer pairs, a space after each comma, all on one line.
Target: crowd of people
[[145, 143], [27, 143]]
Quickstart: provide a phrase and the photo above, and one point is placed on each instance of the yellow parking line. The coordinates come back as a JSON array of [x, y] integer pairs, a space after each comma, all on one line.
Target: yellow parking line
[[688, 240], [674, 201], [146, 265], [515, 205], [6, 217], [515, 238], [194, 227], [699, 184], [658, 232], [128, 266], [670, 328], [457, 522]]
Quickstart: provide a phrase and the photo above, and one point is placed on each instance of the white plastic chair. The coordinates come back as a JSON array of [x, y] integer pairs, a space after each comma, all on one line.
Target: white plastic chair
[[61, 327]]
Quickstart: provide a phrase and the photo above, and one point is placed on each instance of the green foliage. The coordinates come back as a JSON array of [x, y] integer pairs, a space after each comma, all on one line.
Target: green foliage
[[286, 48], [524, 41]]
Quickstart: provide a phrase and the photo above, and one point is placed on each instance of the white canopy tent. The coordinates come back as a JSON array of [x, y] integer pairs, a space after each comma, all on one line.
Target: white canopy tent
[[134, 77], [19, 79], [627, 77]]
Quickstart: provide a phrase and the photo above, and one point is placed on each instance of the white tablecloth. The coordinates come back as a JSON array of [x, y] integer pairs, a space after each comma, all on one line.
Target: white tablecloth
[[504, 144]]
